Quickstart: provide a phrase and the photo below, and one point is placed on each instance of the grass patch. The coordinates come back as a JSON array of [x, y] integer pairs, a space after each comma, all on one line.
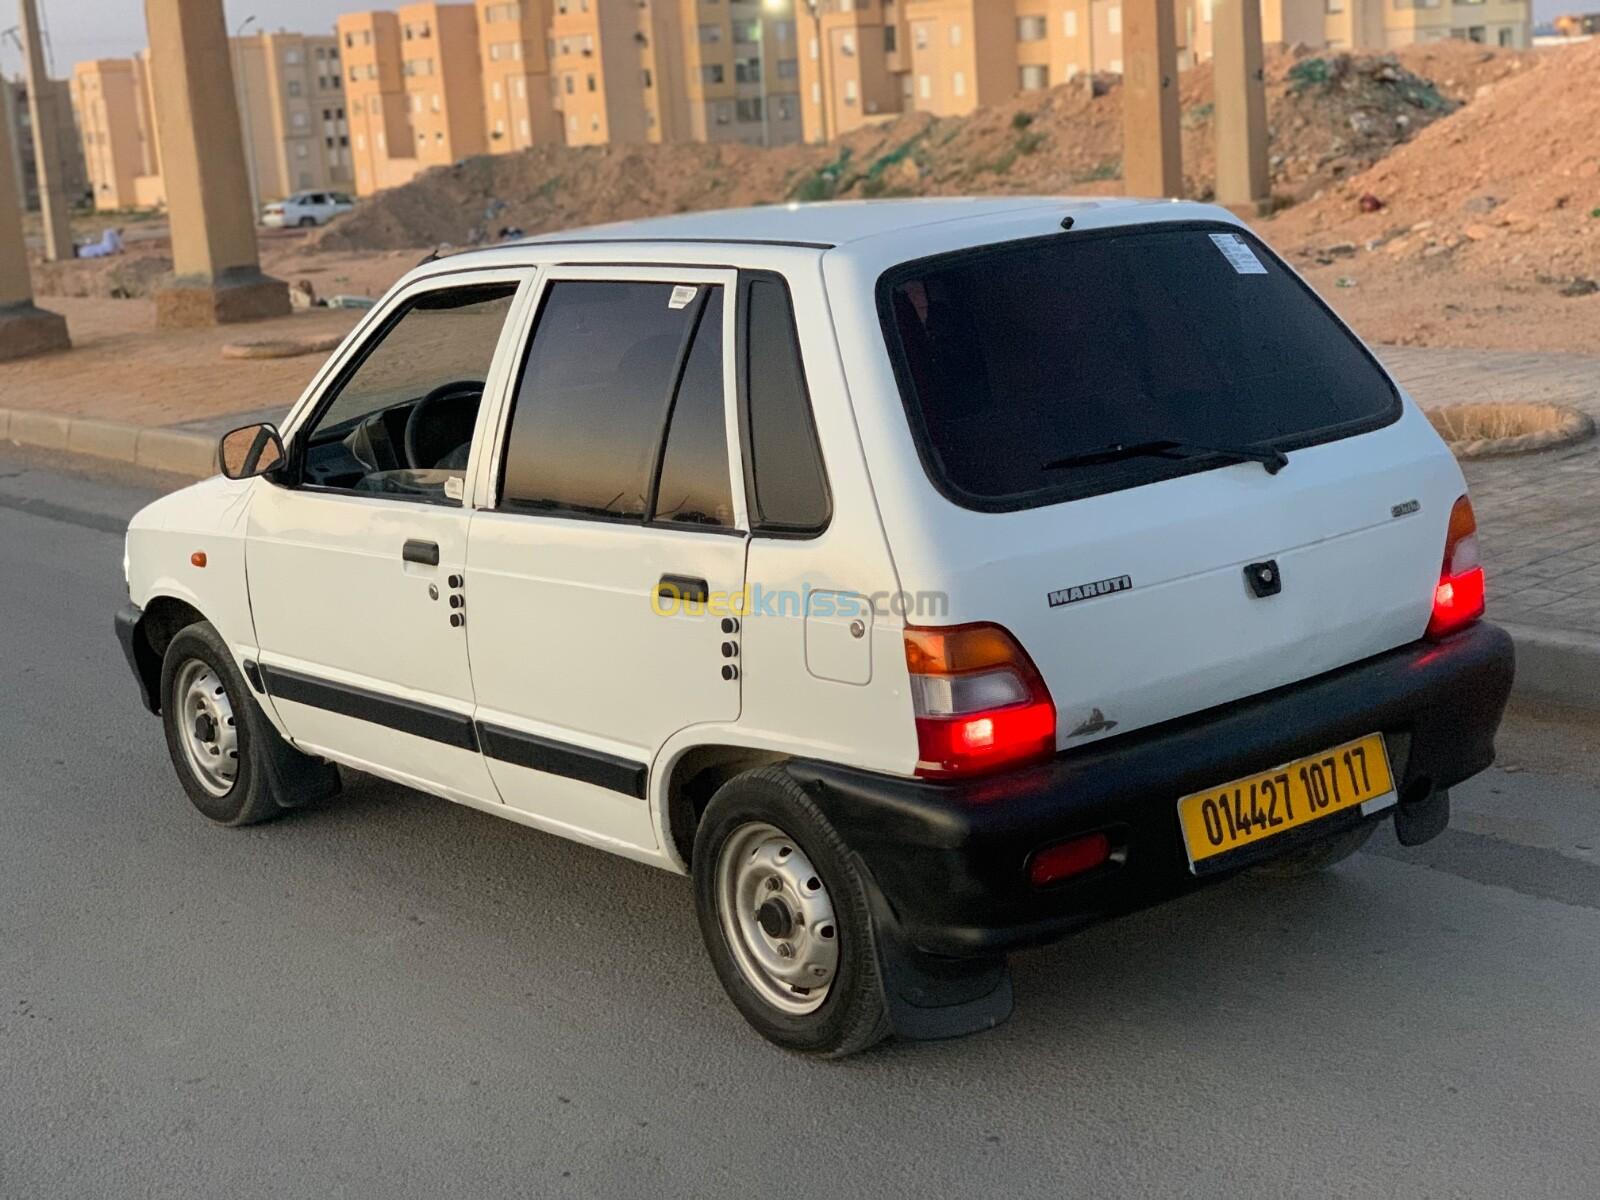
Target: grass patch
[[1110, 168], [1308, 73], [1021, 121], [824, 183], [1029, 143]]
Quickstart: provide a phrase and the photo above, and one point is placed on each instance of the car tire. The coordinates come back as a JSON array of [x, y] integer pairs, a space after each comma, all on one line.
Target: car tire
[[762, 837], [1319, 855], [307, 222], [235, 767]]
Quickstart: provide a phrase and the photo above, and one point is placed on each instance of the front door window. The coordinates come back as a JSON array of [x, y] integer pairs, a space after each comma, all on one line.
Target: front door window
[[400, 423]]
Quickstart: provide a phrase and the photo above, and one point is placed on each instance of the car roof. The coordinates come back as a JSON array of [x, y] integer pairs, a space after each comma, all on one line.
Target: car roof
[[865, 230], [827, 225]]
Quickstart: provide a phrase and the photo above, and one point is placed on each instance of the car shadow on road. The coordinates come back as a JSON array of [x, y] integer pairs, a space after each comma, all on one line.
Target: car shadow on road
[[1243, 970]]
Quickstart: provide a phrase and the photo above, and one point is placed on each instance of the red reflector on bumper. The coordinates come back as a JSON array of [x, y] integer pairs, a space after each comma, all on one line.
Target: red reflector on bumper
[[1066, 859]]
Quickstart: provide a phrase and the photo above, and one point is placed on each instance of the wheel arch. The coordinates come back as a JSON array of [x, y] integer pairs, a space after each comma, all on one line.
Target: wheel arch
[[162, 618], [692, 778]]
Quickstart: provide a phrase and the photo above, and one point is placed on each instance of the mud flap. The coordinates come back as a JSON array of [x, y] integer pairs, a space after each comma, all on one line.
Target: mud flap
[[1422, 820], [295, 778], [929, 997]]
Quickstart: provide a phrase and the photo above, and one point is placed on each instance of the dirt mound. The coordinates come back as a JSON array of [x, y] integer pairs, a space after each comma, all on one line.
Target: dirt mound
[[1507, 188], [1330, 117]]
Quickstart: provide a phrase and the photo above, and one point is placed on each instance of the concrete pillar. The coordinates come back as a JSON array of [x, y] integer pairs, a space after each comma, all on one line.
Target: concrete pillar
[[217, 274], [46, 140], [1152, 154], [1243, 181], [24, 329]]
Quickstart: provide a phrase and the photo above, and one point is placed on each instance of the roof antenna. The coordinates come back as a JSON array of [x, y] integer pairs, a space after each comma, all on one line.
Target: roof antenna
[[1066, 222]]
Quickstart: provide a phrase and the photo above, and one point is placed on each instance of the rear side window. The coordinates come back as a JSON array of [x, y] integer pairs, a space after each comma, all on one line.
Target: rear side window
[[1014, 357], [788, 488], [608, 364]]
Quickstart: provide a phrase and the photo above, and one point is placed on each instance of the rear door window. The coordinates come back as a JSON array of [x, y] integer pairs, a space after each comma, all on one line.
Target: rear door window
[[621, 401], [1014, 357], [694, 488]]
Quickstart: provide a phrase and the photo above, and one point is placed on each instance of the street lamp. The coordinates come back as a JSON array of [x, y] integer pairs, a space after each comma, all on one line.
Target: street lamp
[[772, 6], [815, 9], [242, 91]]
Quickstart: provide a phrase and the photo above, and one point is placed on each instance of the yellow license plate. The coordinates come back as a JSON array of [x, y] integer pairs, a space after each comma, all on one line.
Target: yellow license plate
[[1250, 810]]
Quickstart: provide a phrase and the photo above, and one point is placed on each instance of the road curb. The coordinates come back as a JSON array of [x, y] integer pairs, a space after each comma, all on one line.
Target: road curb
[[172, 450], [1558, 665]]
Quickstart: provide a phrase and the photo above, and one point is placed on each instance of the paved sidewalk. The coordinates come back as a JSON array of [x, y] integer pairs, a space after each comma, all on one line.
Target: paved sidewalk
[[1539, 514]]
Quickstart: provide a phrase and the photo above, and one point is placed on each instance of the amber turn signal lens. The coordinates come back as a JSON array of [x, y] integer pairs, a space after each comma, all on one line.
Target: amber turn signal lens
[[197, 559]]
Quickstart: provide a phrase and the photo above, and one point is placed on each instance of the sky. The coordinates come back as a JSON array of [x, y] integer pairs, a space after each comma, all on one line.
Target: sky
[[80, 29]]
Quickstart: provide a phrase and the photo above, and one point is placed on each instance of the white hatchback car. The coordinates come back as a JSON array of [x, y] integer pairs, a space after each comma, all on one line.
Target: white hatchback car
[[306, 209], [927, 579]]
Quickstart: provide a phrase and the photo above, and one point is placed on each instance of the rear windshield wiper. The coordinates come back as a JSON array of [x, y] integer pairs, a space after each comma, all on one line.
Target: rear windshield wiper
[[1270, 457]]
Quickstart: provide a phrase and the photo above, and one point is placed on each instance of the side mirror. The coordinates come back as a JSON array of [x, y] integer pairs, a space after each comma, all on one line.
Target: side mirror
[[251, 450]]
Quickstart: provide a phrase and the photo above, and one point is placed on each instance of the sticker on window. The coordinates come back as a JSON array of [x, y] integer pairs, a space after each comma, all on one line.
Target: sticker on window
[[1238, 253], [681, 295]]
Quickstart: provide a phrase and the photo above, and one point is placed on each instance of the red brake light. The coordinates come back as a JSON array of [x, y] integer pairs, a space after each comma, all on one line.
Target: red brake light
[[979, 701], [1458, 600]]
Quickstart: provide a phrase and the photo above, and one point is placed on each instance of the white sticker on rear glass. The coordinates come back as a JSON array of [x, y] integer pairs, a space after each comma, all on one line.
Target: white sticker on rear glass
[[681, 295], [1238, 253]]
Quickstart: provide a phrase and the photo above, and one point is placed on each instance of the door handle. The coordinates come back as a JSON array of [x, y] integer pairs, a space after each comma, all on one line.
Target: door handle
[[684, 587], [416, 551]]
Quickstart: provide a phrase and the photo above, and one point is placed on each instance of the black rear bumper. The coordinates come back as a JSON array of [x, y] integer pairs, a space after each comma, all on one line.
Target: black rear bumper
[[950, 858]]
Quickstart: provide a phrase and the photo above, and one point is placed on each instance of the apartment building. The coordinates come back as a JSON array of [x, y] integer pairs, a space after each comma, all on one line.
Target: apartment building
[[292, 115], [111, 102], [865, 60], [69, 151], [1384, 24], [414, 90], [292, 111], [675, 70], [855, 64], [518, 105]]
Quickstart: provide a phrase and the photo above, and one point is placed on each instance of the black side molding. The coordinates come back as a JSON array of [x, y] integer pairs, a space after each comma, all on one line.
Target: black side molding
[[559, 758], [595, 767], [407, 716]]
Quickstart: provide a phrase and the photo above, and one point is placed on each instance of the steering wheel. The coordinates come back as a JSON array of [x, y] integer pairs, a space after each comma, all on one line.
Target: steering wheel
[[421, 442]]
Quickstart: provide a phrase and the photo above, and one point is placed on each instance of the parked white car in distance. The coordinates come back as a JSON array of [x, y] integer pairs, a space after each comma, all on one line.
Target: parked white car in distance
[[306, 209], [927, 579]]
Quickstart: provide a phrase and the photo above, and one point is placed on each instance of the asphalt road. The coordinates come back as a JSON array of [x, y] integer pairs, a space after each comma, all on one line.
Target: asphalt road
[[390, 996]]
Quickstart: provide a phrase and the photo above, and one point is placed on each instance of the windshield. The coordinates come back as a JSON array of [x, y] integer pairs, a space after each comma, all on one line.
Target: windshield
[[1016, 358]]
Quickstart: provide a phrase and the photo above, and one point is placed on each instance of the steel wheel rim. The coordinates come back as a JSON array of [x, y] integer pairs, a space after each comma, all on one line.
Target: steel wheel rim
[[207, 728], [777, 918]]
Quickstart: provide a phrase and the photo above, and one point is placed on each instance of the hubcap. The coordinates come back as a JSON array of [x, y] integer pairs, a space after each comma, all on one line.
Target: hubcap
[[777, 918], [206, 726]]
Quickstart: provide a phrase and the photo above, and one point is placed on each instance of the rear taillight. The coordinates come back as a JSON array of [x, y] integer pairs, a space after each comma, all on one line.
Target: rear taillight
[[979, 701], [1458, 599]]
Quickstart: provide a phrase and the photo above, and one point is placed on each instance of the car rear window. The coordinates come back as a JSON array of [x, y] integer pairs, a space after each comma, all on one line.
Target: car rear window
[[1013, 357]]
